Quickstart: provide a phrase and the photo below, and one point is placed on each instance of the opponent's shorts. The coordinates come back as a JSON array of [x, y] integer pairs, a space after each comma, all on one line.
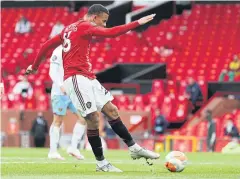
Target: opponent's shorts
[[60, 104], [87, 95]]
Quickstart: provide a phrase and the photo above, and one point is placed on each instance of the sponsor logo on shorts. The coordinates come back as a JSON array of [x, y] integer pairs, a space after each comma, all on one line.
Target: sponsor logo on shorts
[[60, 109], [88, 104], [106, 91]]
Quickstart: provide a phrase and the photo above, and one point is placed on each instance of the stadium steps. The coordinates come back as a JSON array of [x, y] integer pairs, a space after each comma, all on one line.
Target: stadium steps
[[219, 106]]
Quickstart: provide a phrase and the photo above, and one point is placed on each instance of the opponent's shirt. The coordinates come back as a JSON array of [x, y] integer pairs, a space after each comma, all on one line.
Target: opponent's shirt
[[76, 39], [56, 71]]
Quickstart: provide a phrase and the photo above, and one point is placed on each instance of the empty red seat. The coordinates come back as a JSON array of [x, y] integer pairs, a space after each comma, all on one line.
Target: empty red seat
[[158, 87], [42, 102], [123, 102], [181, 110], [11, 85], [30, 103], [5, 104], [202, 129], [138, 103], [39, 88], [167, 107], [182, 87], [172, 88], [154, 101], [18, 102]]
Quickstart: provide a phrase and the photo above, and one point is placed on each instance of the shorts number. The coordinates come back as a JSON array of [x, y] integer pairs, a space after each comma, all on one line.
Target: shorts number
[[67, 42]]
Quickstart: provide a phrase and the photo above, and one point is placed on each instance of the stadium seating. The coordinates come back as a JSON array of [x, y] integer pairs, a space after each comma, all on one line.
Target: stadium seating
[[206, 37], [215, 52], [200, 130]]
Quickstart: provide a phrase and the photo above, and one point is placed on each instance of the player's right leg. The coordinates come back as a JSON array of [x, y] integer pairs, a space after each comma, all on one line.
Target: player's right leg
[[59, 110], [95, 142], [80, 91], [54, 134]]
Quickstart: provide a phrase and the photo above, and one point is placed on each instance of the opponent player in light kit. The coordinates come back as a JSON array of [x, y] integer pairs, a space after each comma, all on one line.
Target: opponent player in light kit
[[60, 103], [80, 83]]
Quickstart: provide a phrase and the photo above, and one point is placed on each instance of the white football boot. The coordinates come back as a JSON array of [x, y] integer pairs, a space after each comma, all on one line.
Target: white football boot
[[75, 153], [55, 155], [143, 153], [107, 168]]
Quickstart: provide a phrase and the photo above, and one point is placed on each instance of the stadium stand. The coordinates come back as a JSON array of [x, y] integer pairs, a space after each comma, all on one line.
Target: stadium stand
[[199, 41]]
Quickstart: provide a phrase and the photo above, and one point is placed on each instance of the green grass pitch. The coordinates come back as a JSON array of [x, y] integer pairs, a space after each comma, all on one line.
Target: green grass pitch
[[32, 163]]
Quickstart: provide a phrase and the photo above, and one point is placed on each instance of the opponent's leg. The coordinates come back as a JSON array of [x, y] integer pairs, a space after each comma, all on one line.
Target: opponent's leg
[[96, 144], [59, 110], [78, 133], [120, 129], [54, 137]]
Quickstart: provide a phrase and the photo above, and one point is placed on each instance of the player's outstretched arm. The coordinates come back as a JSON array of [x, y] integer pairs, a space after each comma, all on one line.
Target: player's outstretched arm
[[146, 19], [119, 30], [48, 45]]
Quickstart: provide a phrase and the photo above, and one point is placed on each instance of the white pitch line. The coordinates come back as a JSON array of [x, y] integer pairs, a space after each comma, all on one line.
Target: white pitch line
[[45, 160], [109, 177], [94, 162], [22, 158], [92, 177]]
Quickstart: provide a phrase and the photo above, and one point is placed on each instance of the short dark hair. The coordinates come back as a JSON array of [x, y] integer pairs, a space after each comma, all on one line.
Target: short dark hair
[[96, 9]]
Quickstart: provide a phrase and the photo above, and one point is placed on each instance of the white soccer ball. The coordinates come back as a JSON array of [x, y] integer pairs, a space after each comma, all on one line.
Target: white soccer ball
[[176, 161]]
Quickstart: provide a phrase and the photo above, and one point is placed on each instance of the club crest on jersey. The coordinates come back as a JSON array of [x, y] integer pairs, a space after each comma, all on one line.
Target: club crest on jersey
[[88, 104], [54, 58]]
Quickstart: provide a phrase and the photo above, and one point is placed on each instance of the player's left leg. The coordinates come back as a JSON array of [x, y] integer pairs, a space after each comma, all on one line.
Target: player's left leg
[[103, 102], [120, 129]]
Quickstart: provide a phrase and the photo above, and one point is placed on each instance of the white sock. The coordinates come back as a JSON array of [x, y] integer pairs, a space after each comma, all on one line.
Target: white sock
[[135, 147], [50, 129], [50, 134], [54, 138], [102, 163], [78, 133]]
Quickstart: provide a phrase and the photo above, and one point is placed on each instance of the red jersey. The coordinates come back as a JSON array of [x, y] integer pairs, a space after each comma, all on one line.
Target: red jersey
[[76, 39]]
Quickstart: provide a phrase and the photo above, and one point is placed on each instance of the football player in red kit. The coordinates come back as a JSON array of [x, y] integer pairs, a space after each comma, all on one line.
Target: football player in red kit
[[80, 83]]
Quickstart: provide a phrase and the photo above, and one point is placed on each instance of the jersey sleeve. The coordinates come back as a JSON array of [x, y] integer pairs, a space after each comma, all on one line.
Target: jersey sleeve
[[111, 32], [48, 45], [54, 71], [55, 59]]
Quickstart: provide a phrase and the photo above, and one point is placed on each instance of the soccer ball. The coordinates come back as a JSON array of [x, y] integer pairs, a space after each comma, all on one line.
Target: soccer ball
[[176, 161]]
